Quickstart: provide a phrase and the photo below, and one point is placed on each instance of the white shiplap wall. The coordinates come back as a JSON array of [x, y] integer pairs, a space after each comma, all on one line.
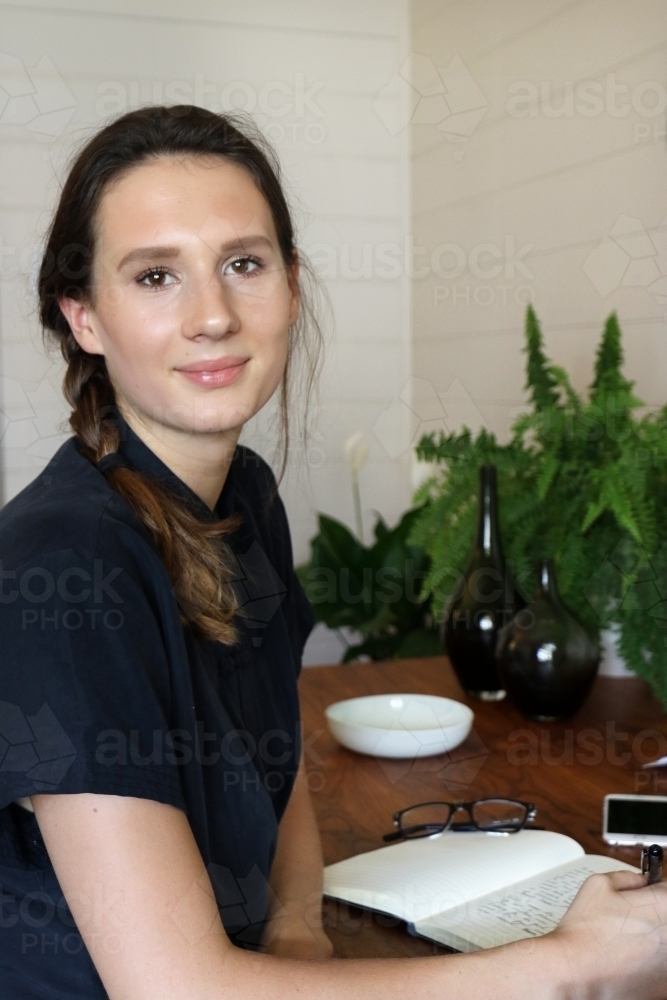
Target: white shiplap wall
[[346, 173], [579, 177]]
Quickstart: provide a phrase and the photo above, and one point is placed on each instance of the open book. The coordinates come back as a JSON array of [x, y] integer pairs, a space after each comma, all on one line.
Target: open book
[[471, 890]]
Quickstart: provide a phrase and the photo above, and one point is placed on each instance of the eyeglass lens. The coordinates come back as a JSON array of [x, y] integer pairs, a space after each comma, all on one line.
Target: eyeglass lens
[[420, 821], [487, 814], [498, 814]]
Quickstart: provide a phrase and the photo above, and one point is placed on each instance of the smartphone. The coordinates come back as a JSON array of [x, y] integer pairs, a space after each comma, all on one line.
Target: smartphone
[[635, 819]]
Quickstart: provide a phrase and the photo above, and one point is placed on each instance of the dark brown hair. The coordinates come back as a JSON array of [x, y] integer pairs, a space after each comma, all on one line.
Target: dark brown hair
[[194, 551]]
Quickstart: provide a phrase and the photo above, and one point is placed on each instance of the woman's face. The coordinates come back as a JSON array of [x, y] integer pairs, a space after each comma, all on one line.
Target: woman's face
[[188, 271]]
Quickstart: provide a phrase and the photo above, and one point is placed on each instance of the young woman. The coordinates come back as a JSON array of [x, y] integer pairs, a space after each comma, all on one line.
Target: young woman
[[156, 836]]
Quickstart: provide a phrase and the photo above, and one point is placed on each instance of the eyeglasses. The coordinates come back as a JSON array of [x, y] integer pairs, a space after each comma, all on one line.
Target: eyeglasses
[[490, 815]]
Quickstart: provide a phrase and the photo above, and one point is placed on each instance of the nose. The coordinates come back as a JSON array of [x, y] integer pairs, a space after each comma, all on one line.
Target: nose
[[210, 312]]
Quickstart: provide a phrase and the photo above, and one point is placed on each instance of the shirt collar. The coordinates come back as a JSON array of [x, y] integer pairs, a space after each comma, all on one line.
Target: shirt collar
[[141, 458]]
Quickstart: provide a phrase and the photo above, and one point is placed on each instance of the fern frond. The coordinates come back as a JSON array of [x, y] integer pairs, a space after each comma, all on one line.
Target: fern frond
[[539, 379], [547, 475]]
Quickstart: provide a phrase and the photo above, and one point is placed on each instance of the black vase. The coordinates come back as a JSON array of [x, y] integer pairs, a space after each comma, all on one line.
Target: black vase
[[485, 601], [545, 657]]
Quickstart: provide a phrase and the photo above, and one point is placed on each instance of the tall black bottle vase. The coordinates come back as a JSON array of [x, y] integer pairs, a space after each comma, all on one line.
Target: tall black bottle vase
[[484, 602]]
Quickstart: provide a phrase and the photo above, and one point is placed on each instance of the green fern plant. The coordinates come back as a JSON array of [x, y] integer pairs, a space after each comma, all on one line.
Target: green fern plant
[[583, 480]]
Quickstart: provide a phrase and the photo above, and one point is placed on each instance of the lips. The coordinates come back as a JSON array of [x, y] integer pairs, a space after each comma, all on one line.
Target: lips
[[213, 364], [215, 373]]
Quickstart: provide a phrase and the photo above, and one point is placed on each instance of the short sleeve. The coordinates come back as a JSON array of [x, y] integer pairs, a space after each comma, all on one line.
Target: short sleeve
[[84, 676]]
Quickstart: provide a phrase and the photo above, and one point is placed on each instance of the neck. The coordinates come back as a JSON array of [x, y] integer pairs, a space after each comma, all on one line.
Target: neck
[[201, 460]]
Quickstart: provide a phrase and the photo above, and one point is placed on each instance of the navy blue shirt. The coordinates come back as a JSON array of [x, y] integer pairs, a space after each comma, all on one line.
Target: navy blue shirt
[[103, 689]]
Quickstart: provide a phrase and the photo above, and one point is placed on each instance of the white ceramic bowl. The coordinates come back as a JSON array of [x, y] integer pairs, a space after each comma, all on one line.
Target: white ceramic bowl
[[400, 725]]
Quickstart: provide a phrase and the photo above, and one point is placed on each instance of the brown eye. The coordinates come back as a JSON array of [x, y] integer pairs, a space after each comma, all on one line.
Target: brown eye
[[154, 278], [243, 266]]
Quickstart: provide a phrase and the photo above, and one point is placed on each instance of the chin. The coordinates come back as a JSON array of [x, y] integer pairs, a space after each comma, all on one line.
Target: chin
[[206, 414]]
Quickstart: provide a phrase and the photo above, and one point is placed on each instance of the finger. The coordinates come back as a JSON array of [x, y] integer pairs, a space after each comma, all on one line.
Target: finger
[[626, 880]]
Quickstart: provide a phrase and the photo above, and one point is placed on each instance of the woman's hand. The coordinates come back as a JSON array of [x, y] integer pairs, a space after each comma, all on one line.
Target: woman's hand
[[613, 938]]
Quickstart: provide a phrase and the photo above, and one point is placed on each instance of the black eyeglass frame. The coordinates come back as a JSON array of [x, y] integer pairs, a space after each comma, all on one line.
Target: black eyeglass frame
[[432, 828]]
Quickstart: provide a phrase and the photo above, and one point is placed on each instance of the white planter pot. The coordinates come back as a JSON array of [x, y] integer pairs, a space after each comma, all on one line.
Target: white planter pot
[[612, 663]]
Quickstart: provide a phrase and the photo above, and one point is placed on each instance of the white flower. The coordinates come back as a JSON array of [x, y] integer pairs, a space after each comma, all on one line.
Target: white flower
[[355, 452]]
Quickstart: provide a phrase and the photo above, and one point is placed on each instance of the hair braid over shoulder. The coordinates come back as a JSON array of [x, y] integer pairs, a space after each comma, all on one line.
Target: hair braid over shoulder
[[194, 552]]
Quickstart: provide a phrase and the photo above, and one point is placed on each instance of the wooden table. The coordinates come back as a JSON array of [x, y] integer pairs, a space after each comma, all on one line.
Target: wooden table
[[565, 768]]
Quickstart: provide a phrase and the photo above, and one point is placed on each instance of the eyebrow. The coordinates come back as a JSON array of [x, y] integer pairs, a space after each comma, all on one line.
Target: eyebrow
[[151, 253]]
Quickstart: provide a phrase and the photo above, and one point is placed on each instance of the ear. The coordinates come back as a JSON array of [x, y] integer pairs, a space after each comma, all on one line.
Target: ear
[[293, 284], [78, 315]]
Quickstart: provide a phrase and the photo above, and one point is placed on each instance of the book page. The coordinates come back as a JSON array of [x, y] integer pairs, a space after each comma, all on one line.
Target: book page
[[528, 909], [415, 879]]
